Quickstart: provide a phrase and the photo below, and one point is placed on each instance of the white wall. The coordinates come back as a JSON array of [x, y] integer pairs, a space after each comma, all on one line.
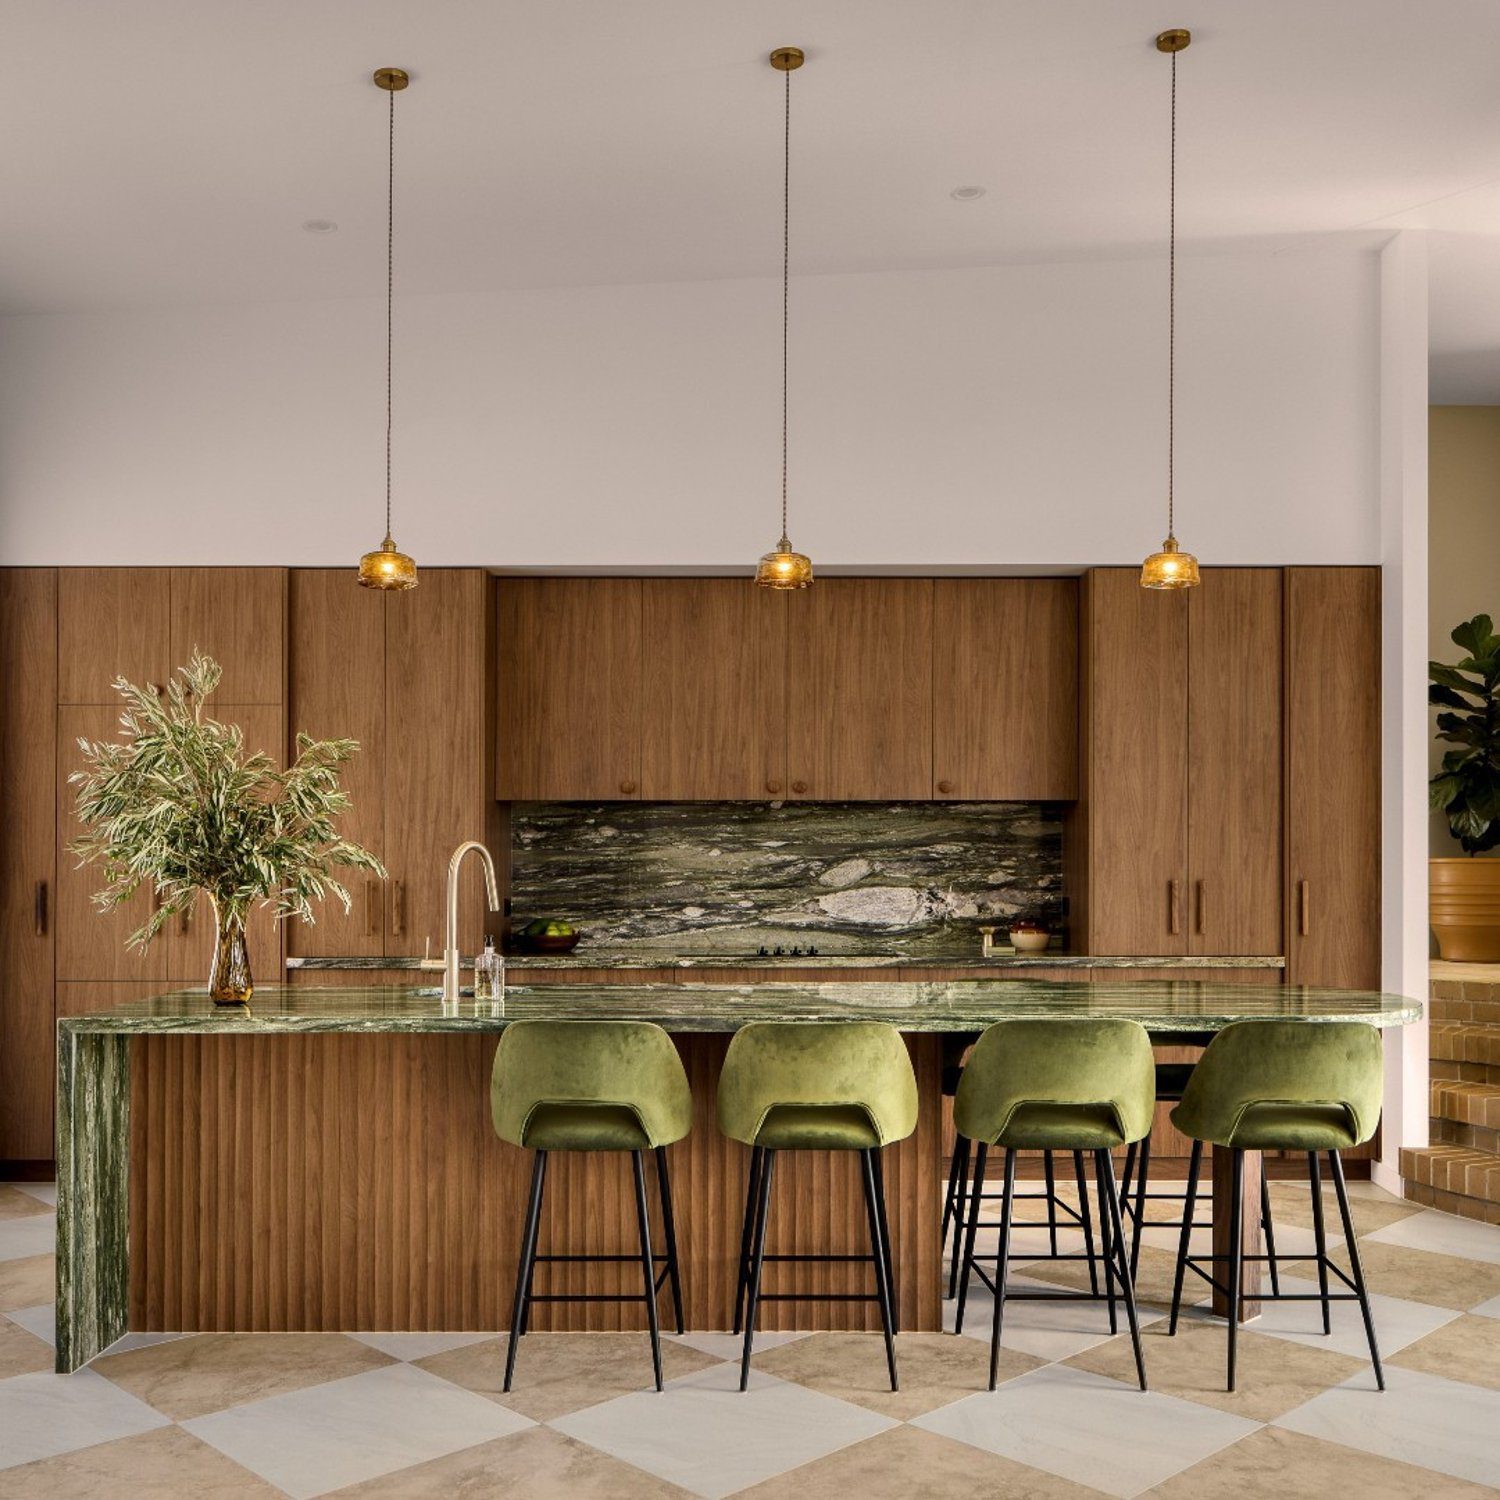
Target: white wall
[[990, 418]]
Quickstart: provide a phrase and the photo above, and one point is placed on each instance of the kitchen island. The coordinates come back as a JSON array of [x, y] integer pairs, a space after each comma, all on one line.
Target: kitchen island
[[323, 1158]]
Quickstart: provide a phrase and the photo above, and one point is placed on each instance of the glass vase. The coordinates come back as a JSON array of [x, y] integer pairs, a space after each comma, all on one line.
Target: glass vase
[[229, 981]]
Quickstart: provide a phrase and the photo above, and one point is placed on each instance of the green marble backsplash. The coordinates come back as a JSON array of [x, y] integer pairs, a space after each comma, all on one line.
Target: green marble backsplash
[[908, 878]]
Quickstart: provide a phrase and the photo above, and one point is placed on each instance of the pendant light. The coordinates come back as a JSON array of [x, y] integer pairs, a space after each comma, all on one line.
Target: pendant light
[[388, 568], [1171, 568], [784, 568]]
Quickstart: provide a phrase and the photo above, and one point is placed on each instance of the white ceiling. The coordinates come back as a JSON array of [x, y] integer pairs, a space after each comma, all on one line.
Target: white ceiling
[[167, 152]]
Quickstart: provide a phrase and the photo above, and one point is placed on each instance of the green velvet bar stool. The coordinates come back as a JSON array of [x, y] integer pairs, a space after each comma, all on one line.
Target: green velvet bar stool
[[816, 1086], [1282, 1086], [592, 1086], [1067, 1085]]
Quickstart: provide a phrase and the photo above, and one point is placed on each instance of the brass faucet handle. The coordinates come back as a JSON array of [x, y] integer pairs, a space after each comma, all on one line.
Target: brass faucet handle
[[987, 939]]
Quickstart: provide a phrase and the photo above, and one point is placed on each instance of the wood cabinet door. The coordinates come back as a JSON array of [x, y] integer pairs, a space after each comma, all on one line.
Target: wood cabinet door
[[714, 686], [1135, 735], [111, 622], [238, 617], [569, 706], [437, 765], [188, 938], [336, 685], [28, 858], [1333, 776], [1234, 762], [859, 690], [1005, 689], [91, 943]]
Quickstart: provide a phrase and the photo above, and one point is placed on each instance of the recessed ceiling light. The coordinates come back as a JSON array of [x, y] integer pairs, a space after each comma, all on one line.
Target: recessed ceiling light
[[967, 194], [320, 226]]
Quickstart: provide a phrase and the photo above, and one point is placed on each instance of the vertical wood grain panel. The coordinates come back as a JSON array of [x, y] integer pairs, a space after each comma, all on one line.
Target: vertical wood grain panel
[[112, 622], [238, 617]]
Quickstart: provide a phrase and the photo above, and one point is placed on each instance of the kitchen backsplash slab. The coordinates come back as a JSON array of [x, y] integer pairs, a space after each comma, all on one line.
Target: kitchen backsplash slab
[[902, 878]]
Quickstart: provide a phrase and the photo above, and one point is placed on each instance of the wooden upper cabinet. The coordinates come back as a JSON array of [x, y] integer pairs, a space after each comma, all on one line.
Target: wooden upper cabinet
[[238, 617], [1234, 762], [336, 686], [28, 858], [714, 687], [570, 658], [1333, 776], [1005, 689], [437, 756], [111, 622], [859, 690], [1134, 813]]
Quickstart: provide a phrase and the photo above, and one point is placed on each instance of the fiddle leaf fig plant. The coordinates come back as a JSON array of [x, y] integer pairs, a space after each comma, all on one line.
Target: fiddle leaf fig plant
[[1467, 788], [177, 804]]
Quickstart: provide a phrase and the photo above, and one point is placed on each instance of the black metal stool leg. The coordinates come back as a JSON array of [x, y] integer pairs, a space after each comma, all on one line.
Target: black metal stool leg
[[525, 1264], [1002, 1261], [1127, 1178], [1354, 1263], [874, 1215], [1106, 1247], [1236, 1251], [1143, 1171], [877, 1158], [950, 1197], [1184, 1240], [1320, 1235], [971, 1230], [1107, 1172], [1269, 1230], [757, 1260], [648, 1261], [961, 1154], [664, 1192], [1051, 1177], [752, 1197], [1086, 1214]]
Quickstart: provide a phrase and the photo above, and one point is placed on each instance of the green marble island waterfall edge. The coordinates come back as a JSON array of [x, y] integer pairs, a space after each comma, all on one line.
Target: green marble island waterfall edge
[[93, 1064]]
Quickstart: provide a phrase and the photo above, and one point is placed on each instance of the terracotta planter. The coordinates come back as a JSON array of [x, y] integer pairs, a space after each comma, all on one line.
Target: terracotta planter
[[1466, 909]]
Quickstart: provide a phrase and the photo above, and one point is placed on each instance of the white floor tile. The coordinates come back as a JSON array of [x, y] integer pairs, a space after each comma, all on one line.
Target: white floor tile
[[1291, 1239], [706, 1435], [728, 1345], [41, 1320], [414, 1346], [1419, 1419], [32, 1234], [1089, 1429], [1397, 1322], [1045, 1330], [43, 1192], [44, 1415], [129, 1341], [1490, 1309], [325, 1436], [1445, 1234]]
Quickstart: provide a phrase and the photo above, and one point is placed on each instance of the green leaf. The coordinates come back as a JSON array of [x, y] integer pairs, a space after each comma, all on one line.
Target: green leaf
[[1436, 693], [1451, 677], [1474, 635]]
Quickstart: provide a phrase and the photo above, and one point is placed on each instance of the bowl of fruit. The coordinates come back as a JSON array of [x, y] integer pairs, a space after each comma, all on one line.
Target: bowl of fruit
[[547, 935]]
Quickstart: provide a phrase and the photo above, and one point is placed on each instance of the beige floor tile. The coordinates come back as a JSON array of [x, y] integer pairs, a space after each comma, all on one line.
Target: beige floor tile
[[1422, 1276], [1466, 1349], [1273, 1375], [163, 1465], [1153, 1280], [208, 1372], [909, 1464], [1293, 1467], [934, 1369], [28, 1282], [14, 1204], [538, 1464], [558, 1373], [22, 1353], [1291, 1203]]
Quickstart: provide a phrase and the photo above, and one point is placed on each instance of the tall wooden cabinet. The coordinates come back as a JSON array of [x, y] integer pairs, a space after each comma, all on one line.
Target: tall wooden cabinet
[[1333, 776], [1177, 835]]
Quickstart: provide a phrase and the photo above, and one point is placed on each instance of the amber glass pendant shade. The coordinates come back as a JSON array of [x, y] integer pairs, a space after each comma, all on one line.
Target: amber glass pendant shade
[[387, 569], [784, 569], [1171, 568]]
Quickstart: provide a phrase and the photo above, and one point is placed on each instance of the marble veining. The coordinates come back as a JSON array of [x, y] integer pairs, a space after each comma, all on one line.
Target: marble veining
[[587, 957], [906, 879]]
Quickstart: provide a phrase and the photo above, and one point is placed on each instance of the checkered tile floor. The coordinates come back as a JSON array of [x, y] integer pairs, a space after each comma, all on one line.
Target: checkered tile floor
[[422, 1414]]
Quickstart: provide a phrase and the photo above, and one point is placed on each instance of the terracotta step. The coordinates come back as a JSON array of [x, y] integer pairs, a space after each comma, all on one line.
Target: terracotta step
[[1465, 1041], [1466, 1103], [1456, 1179]]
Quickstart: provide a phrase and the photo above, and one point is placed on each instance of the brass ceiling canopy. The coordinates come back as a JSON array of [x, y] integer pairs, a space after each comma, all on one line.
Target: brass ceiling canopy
[[785, 568], [1171, 568], [388, 568]]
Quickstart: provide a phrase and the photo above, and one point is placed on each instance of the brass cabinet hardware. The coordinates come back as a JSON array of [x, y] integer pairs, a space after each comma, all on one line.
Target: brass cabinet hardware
[[799, 786], [773, 787], [398, 908], [1200, 908], [945, 786], [1303, 904], [627, 786], [372, 907], [41, 908], [1174, 907]]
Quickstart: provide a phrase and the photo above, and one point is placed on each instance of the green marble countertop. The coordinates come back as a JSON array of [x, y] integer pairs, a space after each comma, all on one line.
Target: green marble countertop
[[637, 958], [957, 1005]]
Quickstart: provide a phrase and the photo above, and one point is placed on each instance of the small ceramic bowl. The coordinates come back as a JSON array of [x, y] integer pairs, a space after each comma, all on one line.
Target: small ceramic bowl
[[1029, 937]]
